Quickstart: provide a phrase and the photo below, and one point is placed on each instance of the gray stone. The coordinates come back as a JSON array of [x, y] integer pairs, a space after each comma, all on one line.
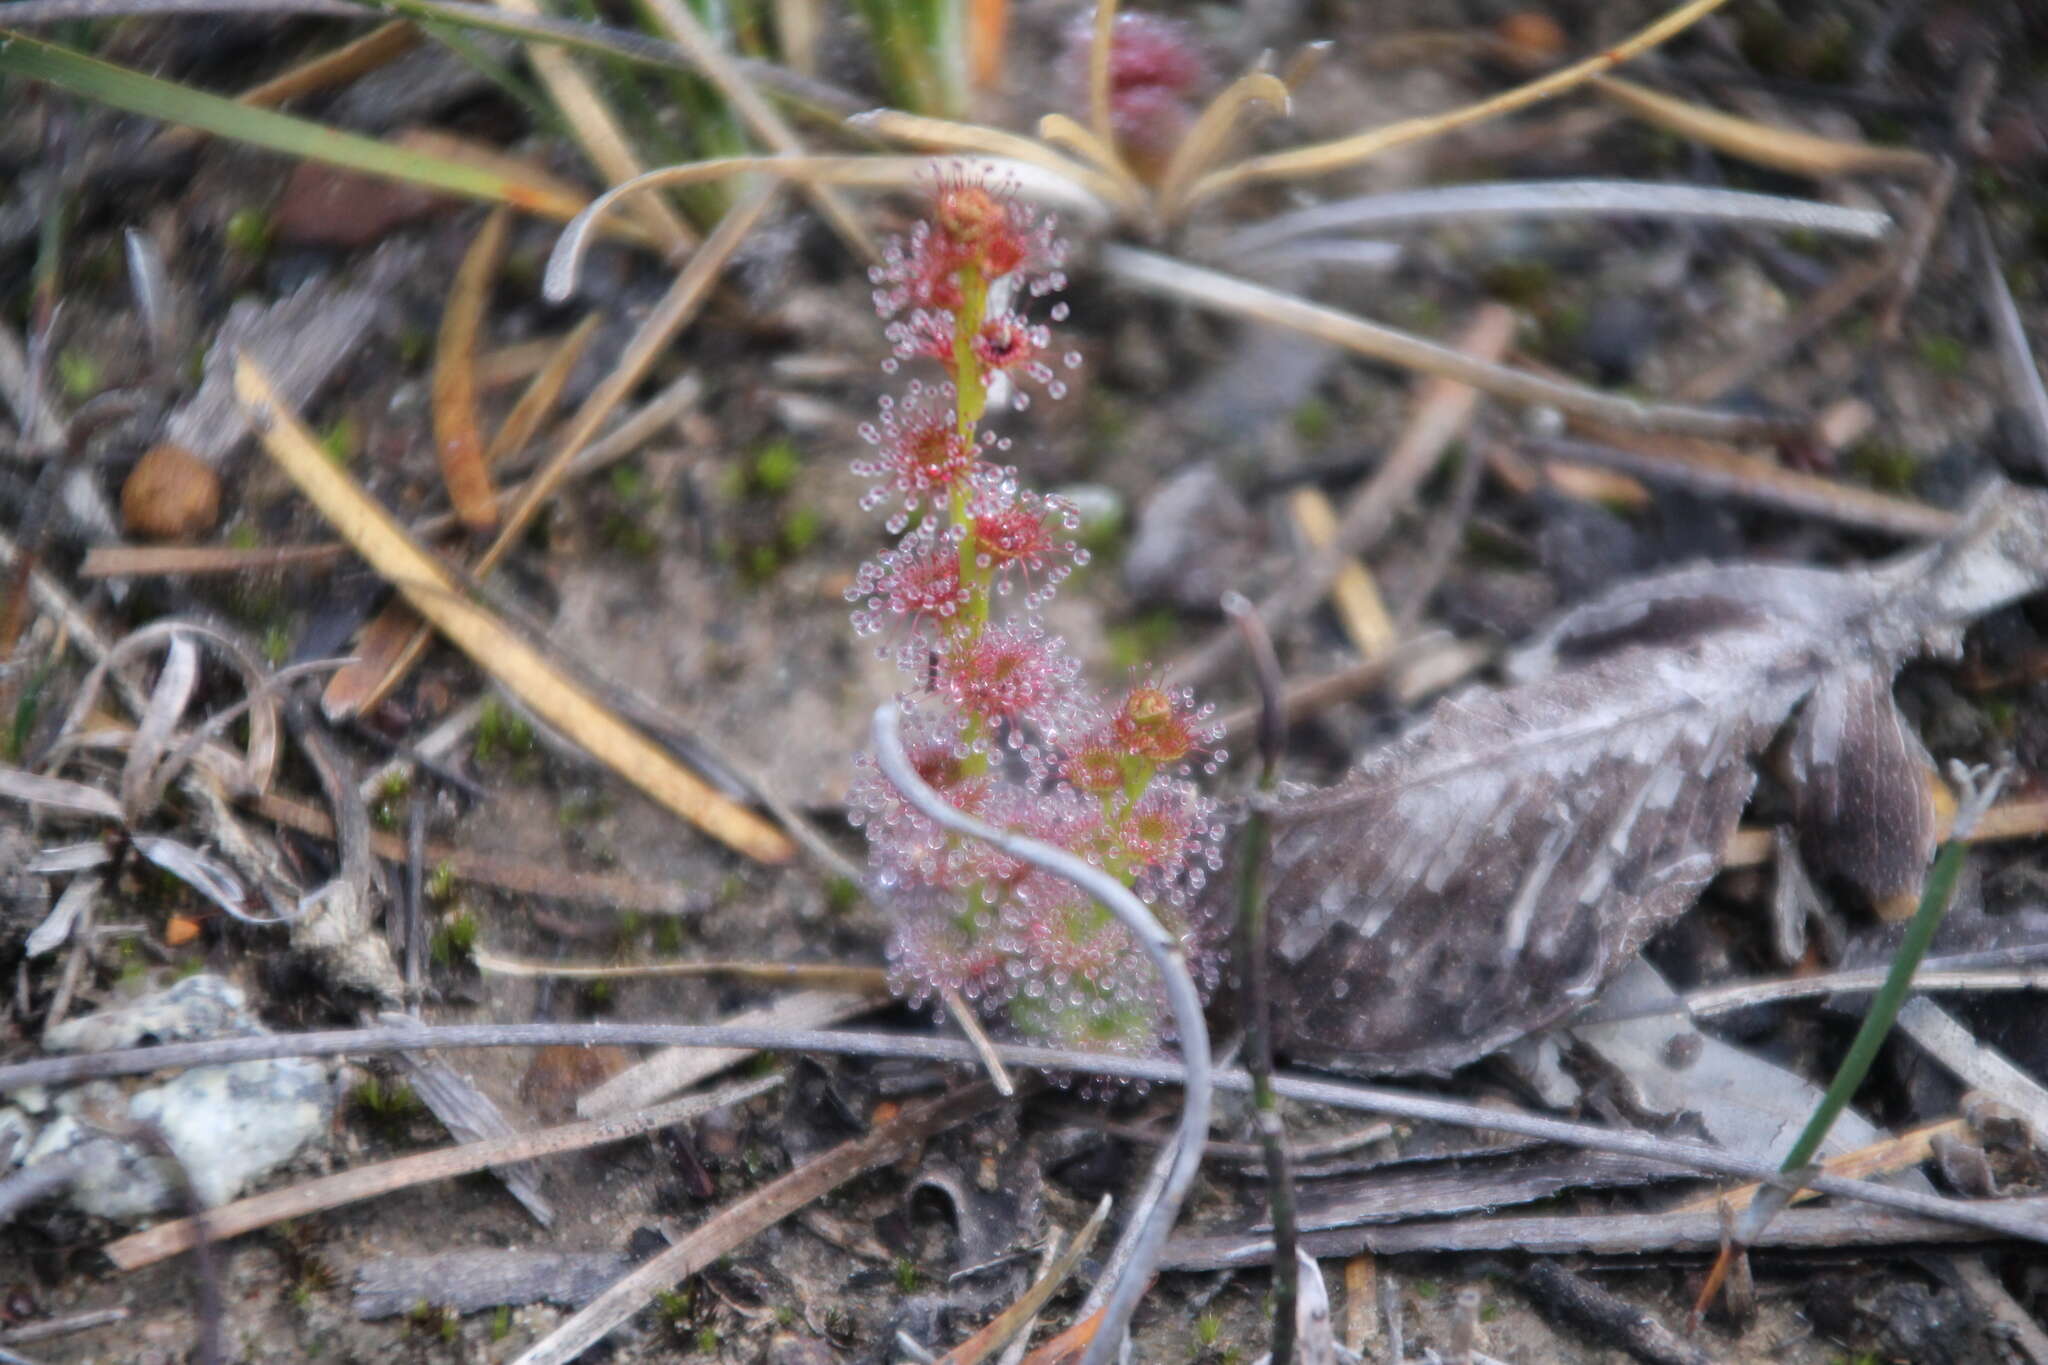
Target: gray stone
[[230, 1126], [203, 1006]]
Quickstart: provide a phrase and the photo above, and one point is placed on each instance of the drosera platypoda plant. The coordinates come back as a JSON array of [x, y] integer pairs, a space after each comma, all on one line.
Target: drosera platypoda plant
[[997, 717]]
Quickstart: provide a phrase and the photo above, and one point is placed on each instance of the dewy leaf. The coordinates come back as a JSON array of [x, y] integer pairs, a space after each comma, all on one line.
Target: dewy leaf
[[1487, 873]]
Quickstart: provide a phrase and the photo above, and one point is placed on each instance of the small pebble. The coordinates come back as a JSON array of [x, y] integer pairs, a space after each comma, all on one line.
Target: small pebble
[[171, 494]]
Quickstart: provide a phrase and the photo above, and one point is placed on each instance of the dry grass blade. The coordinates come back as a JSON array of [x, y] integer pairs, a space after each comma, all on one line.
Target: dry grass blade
[[57, 793], [944, 135], [385, 651], [1566, 199], [457, 443], [1061, 131], [248, 773], [1227, 293], [984, 1047], [1879, 1158], [393, 642], [1325, 157], [167, 702], [757, 113], [1017, 1316], [752, 1215], [367, 1182], [482, 156], [1200, 146], [1761, 144], [500, 652], [541, 395], [1713, 468], [1354, 594], [598, 131], [826, 974]]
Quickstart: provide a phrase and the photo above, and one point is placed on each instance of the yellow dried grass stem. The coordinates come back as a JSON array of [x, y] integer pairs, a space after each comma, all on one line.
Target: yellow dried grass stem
[[1781, 149], [520, 668], [1325, 157]]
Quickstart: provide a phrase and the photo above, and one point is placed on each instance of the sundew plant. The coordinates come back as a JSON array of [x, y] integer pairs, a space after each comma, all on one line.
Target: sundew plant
[[998, 717]]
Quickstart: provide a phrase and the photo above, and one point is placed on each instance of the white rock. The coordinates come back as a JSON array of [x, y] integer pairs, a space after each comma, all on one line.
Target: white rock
[[229, 1125]]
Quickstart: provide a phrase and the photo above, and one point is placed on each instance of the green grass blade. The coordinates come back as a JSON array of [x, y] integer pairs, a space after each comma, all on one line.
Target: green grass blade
[[1870, 1036], [32, 59]]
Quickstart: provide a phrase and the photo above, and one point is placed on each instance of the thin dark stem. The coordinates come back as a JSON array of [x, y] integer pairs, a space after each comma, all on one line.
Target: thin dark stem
[[1252, 968]]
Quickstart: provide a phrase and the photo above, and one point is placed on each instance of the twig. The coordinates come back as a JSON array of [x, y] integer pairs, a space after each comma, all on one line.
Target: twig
[[1557, 1293], [367, 1182], [1967, 110], [1149, 1226], [758, 1211], [1634, 1236], [120, 561], [1312, 696], [1440, 547], [1681, 1154], [62, 1327], [1718, 470], [1883, 1157], [1758, 354], [31, 1183], [204, 1232], [1931, 979], [1253, 964]]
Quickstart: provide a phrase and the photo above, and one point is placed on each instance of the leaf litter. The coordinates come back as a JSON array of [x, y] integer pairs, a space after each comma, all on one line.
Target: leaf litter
[[1510, 854], [1838, 750]]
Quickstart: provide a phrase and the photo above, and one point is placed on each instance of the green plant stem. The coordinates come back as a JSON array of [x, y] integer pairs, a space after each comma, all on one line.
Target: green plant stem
[[1877, 1024], [122, 88]]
